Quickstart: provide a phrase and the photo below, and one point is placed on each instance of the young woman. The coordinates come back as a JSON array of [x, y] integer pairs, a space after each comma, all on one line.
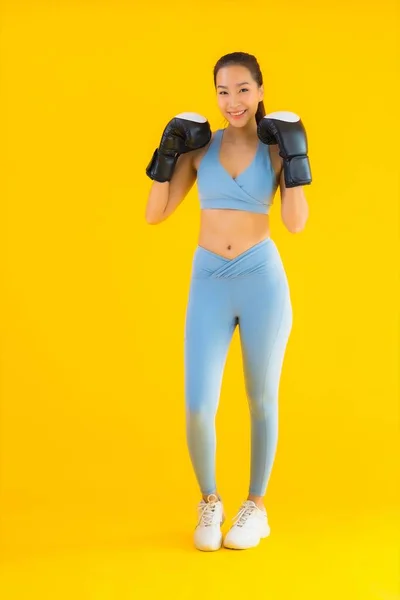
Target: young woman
[[238, 278]]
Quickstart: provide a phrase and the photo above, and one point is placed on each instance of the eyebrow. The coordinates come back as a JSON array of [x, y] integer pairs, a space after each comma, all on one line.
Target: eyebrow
[[226, 87]]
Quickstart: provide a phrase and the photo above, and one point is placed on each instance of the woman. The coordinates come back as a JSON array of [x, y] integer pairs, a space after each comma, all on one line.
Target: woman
[[238, 278]]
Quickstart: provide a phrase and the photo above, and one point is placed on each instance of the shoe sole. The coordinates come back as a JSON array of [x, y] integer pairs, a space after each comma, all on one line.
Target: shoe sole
[[210, 548], [232, 546]]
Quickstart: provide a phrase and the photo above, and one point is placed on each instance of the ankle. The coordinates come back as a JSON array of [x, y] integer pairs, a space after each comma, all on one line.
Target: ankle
[[258, 501], [211, 497]]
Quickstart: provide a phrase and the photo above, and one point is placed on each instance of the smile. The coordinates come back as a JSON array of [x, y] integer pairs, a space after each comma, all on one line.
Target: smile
[[238, 114]]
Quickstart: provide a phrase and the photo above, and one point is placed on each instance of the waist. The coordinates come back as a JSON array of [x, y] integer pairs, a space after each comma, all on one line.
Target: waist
[[230, 232], [261, 259]]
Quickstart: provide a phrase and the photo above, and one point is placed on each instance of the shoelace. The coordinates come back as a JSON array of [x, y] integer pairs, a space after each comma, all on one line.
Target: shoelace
[[207, 516], [245, 512]]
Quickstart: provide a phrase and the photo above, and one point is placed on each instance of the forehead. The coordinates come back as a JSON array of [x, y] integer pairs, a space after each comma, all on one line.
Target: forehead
[[233, 75]]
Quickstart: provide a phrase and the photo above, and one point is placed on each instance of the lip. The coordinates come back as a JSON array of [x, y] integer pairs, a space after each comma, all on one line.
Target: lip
[[233, 116]]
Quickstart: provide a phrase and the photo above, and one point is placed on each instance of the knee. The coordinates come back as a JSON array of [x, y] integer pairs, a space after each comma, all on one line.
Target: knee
[[264, 404], [199, 413]]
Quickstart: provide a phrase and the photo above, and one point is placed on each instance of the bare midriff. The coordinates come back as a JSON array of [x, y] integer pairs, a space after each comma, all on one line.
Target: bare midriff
[[230, 232]]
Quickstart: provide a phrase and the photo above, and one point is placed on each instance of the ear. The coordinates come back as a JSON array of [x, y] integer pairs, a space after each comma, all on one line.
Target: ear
[[261, 92]]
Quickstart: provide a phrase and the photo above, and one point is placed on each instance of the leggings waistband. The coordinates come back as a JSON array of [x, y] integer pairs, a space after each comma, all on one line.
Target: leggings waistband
[[257, 259]]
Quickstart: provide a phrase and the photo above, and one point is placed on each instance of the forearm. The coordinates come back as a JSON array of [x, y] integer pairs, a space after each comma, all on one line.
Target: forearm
[[294, 209], [157, 202]]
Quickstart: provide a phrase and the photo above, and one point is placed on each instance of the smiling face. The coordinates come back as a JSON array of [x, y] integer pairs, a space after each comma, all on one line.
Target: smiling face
[[238, 94]]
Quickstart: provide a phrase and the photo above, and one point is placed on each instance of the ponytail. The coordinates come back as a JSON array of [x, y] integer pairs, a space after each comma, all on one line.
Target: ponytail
[[260, 112]]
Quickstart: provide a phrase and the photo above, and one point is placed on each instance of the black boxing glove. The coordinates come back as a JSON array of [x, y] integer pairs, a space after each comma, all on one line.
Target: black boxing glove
[[286, 129], [184, 133]]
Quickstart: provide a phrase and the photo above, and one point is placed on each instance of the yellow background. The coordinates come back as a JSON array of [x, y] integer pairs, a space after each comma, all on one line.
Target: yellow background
[[98, 497]]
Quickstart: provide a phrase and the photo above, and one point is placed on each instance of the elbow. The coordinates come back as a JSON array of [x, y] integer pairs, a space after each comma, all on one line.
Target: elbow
[[152, 219], [295, 223], [296, 226]]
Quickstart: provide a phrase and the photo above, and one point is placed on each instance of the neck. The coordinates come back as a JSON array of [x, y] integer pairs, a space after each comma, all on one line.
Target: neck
[[240, 134]]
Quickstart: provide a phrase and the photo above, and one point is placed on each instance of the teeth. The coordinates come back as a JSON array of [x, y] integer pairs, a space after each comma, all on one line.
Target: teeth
[[238, 113]]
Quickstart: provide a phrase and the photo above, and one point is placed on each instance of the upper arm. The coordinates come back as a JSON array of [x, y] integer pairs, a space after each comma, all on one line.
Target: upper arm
[[181, 183], [282, 185], [277, 163]]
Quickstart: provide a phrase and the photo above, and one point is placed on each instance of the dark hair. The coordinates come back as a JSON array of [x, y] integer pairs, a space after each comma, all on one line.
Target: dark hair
[[245, 60]]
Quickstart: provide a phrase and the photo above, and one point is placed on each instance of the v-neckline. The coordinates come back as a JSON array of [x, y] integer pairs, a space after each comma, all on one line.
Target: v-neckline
[[222, 166]]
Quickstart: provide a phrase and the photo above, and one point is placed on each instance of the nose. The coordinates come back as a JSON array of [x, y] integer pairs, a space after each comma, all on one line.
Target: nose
[[234, 104]]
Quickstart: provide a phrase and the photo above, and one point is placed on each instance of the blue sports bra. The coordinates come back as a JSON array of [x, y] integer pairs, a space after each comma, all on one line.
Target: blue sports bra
[[252, 190]]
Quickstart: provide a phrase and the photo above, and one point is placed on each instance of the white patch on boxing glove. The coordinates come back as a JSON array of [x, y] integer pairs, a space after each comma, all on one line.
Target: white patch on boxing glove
[[191, 116], [283, 115]]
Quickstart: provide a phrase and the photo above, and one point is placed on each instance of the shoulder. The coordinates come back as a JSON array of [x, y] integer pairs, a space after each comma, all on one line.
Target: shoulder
[[197, 155]]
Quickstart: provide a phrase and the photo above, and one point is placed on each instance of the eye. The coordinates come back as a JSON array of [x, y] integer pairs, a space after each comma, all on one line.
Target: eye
[[220, 93], [244, 90]]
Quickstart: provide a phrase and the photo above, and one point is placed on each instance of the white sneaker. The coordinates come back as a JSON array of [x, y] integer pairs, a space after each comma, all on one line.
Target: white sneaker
[[250, 526], [208, 534]]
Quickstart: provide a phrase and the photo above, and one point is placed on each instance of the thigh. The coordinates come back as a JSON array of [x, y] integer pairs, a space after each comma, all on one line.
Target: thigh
[[209, 327], [265, 322]]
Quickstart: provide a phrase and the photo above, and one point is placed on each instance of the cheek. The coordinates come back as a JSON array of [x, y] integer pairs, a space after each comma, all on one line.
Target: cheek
[[221, 99], [255, 100], [252, 104]]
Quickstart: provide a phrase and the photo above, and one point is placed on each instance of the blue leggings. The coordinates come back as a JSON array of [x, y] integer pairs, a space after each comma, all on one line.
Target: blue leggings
[[250, 291]]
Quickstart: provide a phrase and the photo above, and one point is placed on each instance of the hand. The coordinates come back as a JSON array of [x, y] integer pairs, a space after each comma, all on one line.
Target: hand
[[286, 129], [184, 133]]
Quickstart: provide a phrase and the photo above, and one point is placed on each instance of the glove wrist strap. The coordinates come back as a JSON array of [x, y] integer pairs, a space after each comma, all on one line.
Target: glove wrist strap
[[161, 167], [297, 171]]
